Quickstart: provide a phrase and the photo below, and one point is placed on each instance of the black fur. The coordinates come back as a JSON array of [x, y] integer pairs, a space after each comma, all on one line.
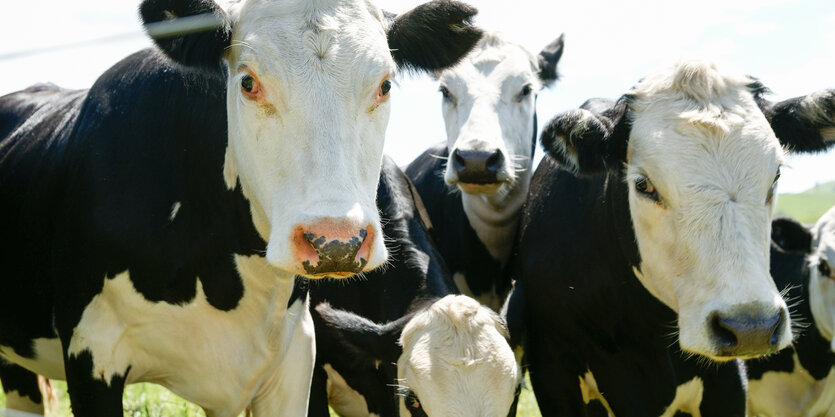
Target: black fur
[[583, 308], [796, 129], [20, 380], [599, 145], [346, 316], [203, 49], [548, 59], [433, 36], [790, 270]]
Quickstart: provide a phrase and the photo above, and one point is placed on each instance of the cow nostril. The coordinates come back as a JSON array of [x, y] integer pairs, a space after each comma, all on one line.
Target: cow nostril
[[724, 333], [458, 161], [494, 161], [776, 330]]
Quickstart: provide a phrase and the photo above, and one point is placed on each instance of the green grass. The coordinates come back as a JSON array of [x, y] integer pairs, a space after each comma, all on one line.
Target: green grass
[[149, 400], [808, 206]]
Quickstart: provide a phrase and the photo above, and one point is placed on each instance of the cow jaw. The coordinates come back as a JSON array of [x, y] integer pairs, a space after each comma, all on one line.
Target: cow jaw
[[700, 165], [306, 142]]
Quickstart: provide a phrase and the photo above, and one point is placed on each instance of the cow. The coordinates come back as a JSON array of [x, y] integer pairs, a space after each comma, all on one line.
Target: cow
[[800, 380], [154, 226], [474, 184], [642, 260], [376, 339]]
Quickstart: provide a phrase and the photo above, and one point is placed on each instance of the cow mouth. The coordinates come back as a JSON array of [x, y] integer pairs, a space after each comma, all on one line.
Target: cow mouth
[[480, 188]]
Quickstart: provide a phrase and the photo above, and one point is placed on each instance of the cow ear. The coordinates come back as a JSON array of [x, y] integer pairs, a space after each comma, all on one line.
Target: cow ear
[[791, 236], [548, 59], [591, 139], [805, 124], [433, 36], [194, 33], [359, 336]]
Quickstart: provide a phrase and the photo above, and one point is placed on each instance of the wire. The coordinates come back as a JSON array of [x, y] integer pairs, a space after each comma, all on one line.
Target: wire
[[164, 29]]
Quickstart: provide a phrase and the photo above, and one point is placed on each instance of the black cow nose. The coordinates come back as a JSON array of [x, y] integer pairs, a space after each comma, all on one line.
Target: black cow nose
[[335, 255], [477, 167], [745, 335]]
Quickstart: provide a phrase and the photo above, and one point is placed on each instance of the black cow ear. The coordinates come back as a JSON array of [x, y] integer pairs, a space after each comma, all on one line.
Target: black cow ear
[[548, 59], [791, 236], [433, 36], [194, 33], [591, 139], [359, 336], [805, 124]]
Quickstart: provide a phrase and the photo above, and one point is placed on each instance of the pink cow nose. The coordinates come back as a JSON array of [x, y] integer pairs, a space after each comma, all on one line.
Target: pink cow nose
[[332, 247]]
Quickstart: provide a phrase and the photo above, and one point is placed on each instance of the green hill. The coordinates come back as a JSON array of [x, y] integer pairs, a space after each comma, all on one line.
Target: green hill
[[809, 205]]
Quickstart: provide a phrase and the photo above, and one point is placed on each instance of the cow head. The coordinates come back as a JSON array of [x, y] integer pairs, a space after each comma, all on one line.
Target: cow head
[[455, 358], [308, 84], [822, 276], [489, 108], [700, 151]]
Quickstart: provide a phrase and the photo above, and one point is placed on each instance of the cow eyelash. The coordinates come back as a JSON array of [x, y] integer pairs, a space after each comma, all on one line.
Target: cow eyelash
[[645, 188], [447, 95], [773, 188]]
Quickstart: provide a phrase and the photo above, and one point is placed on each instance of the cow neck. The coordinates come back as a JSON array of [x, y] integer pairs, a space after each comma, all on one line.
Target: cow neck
[[495, 218]]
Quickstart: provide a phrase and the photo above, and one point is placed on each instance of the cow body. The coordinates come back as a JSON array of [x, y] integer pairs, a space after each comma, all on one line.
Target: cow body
[[635, 219], [475, 183], [154, 225], [362, 374], [800, 380]]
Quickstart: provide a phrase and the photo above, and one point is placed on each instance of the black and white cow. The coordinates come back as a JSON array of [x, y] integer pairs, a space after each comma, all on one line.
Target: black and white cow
[[474, 184], [800, 381], [369, 369], [153, 226], [643, 250]]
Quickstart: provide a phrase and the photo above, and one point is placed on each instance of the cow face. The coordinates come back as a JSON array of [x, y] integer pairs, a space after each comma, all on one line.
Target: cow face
[[308, 84], [699, 152], [455, 358], [489, 110], [822, 277]]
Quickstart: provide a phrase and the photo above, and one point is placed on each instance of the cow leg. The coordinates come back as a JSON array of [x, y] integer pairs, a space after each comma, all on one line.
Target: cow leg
[[91, 394], [21, 388], [319, 394], [724, 390]]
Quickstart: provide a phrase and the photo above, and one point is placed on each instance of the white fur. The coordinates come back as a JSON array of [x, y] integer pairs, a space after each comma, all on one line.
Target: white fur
[[485, 115], [688, 399], [17, 405], [48, 360], [825, 404], [175, 208], [313, 148], [343, 399], [784, 394], [700, 138], [456, 359], [590, 391], [261, 353], [17, 413], [822, 289]]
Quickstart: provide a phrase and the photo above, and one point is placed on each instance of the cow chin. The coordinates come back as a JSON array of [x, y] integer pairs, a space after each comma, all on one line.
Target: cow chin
[[335, 244]]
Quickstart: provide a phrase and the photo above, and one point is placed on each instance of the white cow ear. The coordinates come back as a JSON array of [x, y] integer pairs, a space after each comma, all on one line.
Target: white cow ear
[[548, 59], [230, 170], [432, 36], [591, 139], [805, 124], [195, 33]]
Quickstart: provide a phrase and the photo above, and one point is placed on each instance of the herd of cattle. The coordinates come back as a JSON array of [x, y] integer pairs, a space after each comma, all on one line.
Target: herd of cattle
[[170, 224]]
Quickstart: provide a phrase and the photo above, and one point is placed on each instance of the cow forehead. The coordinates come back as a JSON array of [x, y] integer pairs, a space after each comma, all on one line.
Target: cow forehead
[[704, 130], [491, 62], [338, 38]]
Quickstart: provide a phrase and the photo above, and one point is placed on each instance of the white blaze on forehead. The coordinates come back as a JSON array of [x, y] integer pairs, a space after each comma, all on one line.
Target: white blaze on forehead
[[698, 135], [457, 360], [821, 288]]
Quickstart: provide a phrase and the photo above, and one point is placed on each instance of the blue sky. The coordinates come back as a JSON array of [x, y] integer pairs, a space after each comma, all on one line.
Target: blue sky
[[790, 45]]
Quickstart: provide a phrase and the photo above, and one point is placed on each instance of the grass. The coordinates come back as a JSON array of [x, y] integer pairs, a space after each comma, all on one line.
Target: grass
[[149, 400], [808, 206]]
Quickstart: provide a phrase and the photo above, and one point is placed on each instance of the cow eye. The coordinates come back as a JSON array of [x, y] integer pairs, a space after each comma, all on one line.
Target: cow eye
[[823, 268], [413, 405], [526, 91], [385, 87], [773, 188], [445, 92], [250, 86], [645, 188]]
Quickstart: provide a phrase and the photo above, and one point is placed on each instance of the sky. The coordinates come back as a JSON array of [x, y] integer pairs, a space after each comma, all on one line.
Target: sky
[[609, 45]]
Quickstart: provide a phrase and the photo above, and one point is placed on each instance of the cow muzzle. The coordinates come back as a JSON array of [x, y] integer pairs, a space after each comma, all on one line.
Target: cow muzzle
[[478, 171], [748, 332], [332, 248]]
